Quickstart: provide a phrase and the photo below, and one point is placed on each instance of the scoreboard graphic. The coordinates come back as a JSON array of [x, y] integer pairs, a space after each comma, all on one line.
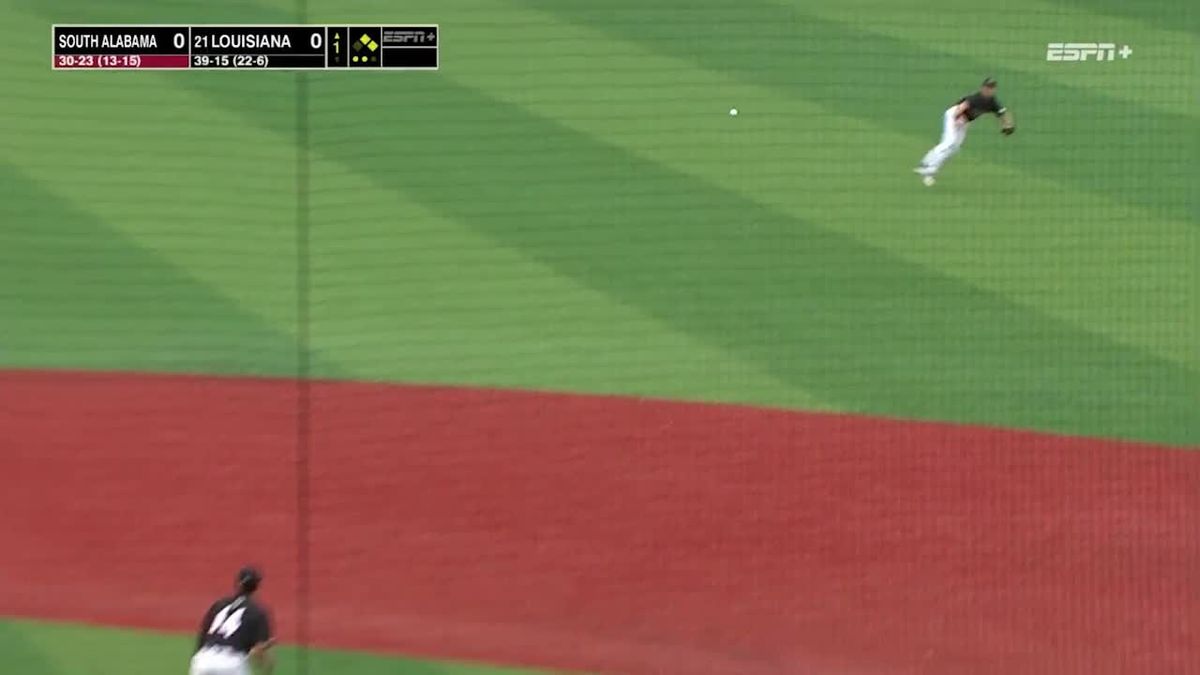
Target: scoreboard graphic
[[245, 47]]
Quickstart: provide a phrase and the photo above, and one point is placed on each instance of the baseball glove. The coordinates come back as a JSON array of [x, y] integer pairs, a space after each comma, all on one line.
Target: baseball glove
[[1008, 131]]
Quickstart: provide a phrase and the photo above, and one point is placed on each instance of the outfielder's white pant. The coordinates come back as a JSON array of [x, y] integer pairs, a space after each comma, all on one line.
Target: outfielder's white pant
[[954, 132], [219, 662]]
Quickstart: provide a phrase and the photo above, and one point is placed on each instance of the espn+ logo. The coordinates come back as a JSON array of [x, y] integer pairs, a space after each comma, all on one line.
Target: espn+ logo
[[1082, 51]]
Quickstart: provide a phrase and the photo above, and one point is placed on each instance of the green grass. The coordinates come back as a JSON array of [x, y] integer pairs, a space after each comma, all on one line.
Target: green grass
[[567, 206], [577, 212], [31, 647]]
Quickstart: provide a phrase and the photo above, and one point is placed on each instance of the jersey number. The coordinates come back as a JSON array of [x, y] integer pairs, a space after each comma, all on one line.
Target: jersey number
[[225, 623]]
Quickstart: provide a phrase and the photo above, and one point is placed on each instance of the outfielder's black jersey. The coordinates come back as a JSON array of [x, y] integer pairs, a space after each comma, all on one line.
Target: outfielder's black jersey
[[236, 622], [978, 104]]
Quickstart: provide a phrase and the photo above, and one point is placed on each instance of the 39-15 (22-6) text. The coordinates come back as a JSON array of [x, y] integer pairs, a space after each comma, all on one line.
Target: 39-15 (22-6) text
[[230, 60]]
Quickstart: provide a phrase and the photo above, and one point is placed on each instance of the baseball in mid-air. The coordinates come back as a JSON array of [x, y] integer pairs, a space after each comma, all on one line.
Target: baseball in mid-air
[[733, 112]]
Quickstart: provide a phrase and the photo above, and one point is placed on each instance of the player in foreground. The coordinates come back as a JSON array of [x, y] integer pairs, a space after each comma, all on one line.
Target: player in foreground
[[235, 632], [955, 121]]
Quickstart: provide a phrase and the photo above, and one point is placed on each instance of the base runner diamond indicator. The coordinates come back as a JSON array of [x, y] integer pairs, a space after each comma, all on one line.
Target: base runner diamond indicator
[[365, 47]]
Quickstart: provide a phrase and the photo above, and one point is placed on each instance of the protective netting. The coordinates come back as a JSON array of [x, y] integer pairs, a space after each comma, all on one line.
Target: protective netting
[[417, 343]]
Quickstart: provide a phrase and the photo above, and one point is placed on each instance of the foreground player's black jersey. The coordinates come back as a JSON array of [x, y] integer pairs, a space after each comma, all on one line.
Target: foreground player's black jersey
[[978, 104], [237, 623]]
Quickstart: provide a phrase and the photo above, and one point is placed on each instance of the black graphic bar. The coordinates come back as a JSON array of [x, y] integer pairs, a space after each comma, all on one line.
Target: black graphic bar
[[246, 47]]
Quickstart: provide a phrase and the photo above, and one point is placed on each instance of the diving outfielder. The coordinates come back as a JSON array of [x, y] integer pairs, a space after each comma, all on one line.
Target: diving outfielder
[[955, 121]]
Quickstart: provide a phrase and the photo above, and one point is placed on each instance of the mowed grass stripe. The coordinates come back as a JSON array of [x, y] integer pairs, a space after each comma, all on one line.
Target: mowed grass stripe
[[895, 85], [79, 294], [1179, 15], [1158, 74], [801, 158], [143, 232], [41, 648], [404, 293], [202, 189]]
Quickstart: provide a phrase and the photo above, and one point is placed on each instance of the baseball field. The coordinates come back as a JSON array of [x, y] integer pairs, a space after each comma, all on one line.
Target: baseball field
[[545, 362]]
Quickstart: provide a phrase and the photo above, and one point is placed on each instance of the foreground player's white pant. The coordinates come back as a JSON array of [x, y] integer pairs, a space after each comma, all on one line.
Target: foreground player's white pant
[[954, 132], [215, 661]]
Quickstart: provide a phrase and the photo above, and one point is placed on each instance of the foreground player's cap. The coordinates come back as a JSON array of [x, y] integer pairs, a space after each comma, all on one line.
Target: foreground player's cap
[[988, 82], [249, 578]]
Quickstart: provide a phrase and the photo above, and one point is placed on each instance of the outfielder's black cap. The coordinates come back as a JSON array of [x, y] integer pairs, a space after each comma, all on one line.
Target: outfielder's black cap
[[988, 82], [248, 579]]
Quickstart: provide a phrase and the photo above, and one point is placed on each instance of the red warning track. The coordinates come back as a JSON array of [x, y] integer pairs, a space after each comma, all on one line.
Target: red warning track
[[601, 533]]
